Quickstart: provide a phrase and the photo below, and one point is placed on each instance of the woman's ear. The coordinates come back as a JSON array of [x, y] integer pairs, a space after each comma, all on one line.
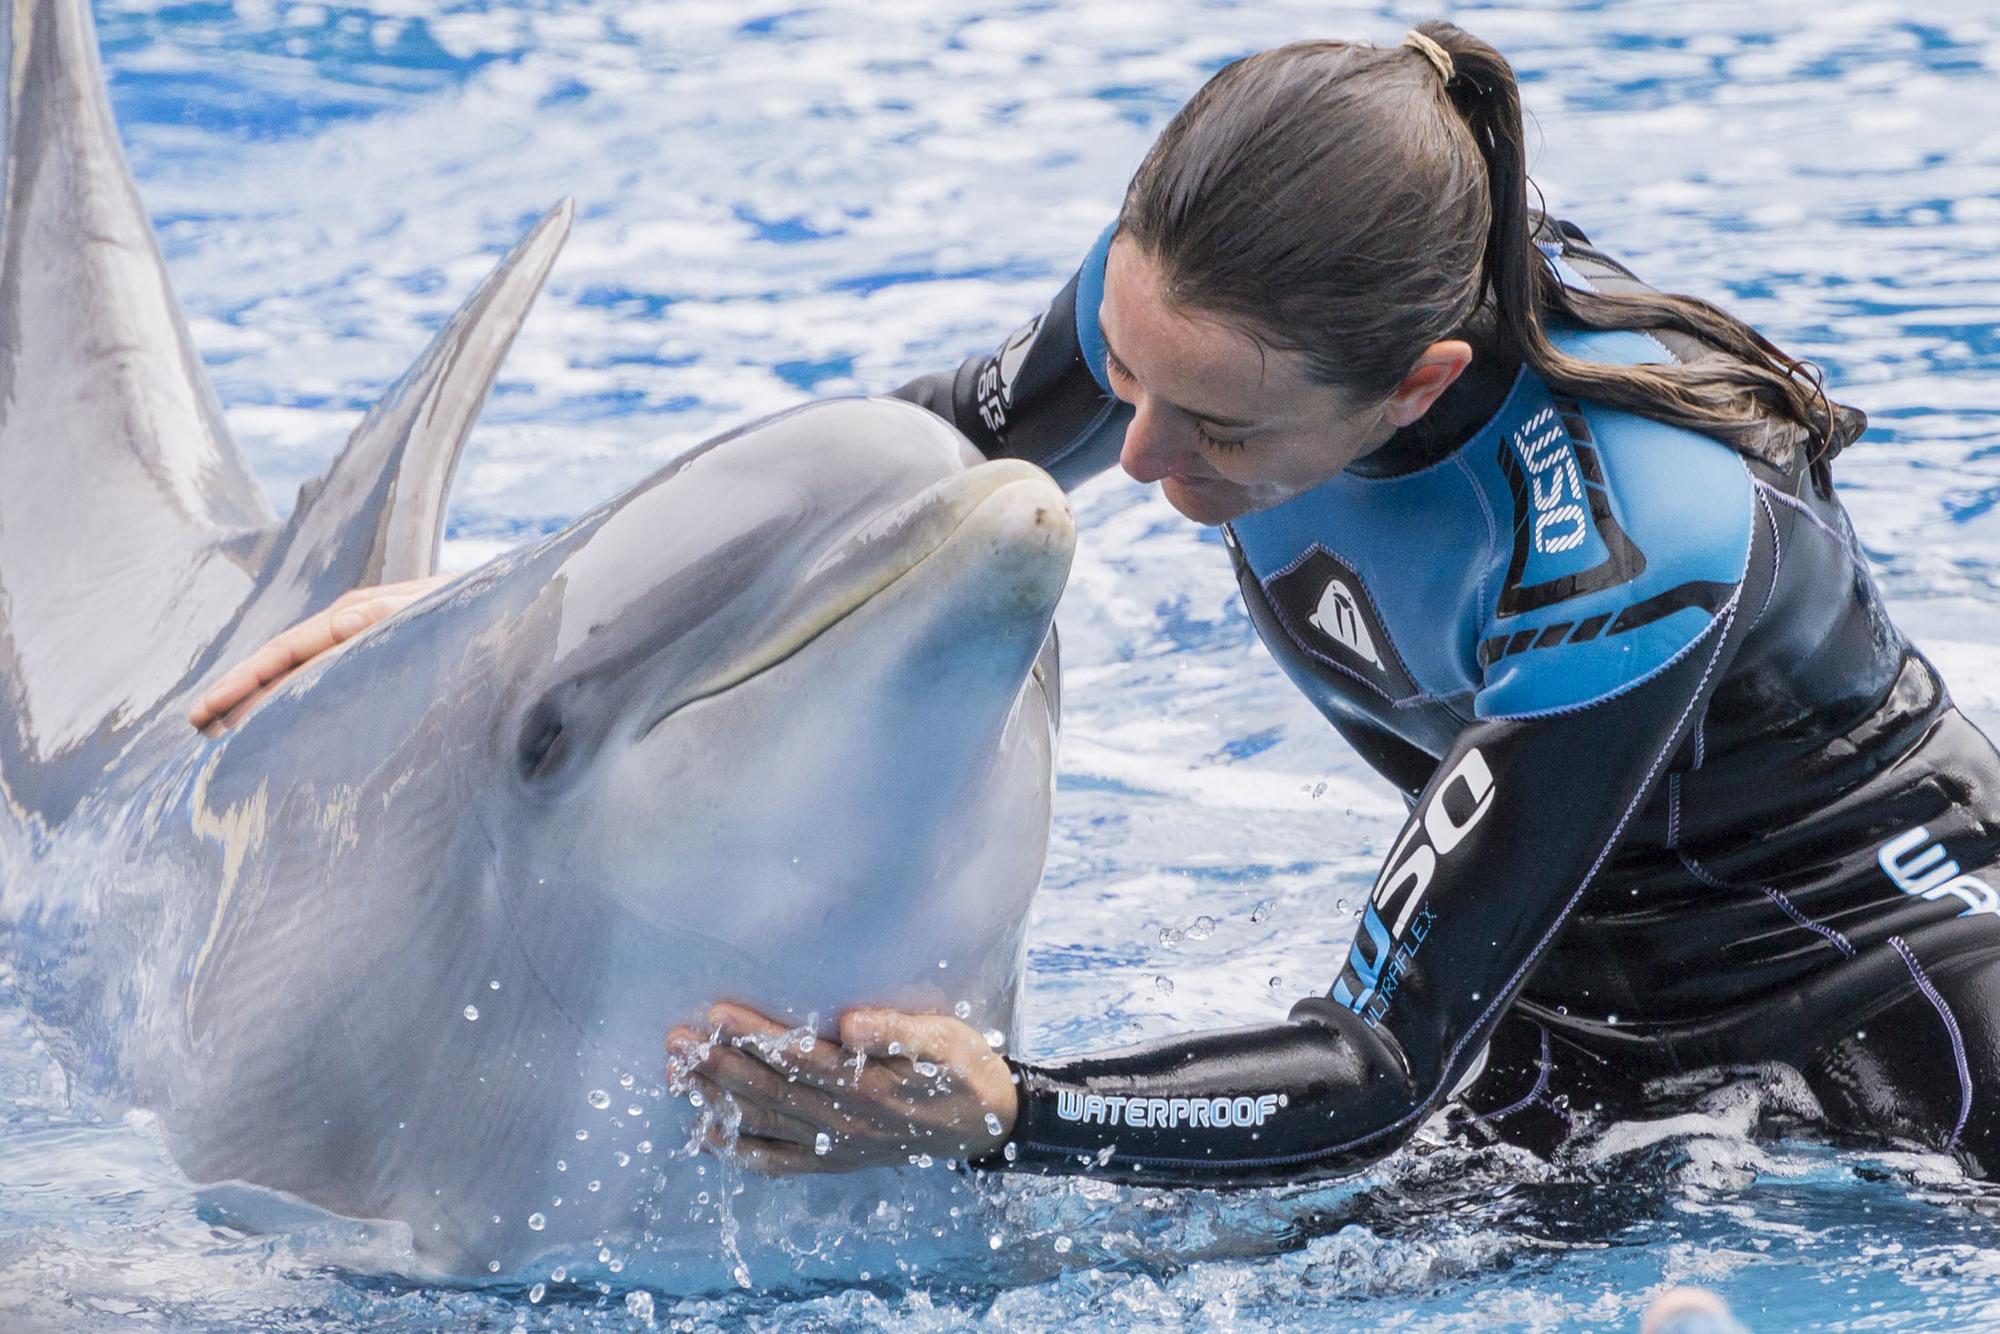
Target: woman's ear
[[1439, 364]]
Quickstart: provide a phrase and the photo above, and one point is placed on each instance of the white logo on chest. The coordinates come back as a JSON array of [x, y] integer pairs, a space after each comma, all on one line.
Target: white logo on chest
[[1338, 617]]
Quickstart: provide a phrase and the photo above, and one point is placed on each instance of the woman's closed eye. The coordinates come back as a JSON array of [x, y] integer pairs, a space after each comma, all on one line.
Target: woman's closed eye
[[1216, 443]]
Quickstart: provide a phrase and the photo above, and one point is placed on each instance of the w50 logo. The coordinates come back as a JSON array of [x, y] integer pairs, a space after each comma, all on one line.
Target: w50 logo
[[1379, 955]]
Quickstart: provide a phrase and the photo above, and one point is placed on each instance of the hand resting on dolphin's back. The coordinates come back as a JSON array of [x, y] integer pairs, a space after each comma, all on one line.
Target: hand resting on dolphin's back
[[227, 702]]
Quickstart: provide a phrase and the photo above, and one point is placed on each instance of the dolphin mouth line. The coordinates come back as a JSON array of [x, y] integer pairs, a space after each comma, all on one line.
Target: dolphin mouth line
[[1026, 474]]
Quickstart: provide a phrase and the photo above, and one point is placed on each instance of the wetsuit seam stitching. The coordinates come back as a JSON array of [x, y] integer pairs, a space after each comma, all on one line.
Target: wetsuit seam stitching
[[1673, 810], [1932, 994], [1534, 1094], [1798, 506], [1777, 555], [1492, 528], [1829, 934]]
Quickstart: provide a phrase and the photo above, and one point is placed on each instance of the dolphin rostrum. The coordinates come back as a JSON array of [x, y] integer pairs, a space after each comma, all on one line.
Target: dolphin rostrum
[[776, 724]]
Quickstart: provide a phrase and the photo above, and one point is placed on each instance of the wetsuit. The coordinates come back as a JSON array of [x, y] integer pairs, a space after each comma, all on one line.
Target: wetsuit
[[1681, 794]]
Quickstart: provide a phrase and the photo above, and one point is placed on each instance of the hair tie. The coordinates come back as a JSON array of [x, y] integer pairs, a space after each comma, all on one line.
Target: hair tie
[[1430, 50]]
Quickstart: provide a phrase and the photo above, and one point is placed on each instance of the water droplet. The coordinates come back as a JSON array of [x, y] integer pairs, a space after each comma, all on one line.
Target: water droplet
[[496, 1218], [1562, 1009], [559, 1274], [603, 1255], [1165, 984], [562, 1164], [1275, 983], [1063, 1244], [1170, 937], [695, 1099], [622, 1158], [536, 1293], [1475, 995], [537, 1221], [1340, 905], [1611, 1019], [639, 1305], [625, 1081], [472, 1013], [822, 1144], [741, 1274], [1009, 1152], [992, 1123], [492, 1266], [963, 1009], [925, 1160], [644, 1146], [994, 1038], [808, 1042], [1203, 928], [595, 1186], [993, 1242], [635, 1110], [895, 1049], [1319, 790], [924, 1068], [599, 1099], [943, 964], [1261, 911], [582, 1135]]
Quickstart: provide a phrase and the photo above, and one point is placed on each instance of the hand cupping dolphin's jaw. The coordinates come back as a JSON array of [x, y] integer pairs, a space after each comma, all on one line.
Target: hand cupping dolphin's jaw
[[776, 732]]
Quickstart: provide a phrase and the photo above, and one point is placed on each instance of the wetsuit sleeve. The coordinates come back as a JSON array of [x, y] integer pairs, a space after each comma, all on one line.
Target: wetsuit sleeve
[[1042, 396], [1517, 822]]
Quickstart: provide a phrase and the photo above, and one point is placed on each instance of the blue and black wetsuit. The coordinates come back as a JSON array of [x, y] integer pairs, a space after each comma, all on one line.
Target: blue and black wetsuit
[[1681, 794]]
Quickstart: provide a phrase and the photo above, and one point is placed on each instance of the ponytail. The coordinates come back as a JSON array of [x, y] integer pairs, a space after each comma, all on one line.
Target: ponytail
[[1731, 397]]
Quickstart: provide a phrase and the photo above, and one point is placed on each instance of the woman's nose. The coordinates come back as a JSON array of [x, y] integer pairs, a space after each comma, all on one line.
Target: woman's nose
[[1151, 451]]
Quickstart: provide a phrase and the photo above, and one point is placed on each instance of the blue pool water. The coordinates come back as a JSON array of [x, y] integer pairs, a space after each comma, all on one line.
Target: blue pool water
[[784, 201]]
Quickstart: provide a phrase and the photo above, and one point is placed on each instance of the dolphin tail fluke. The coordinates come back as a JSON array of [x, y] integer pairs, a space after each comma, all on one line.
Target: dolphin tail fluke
[[128, 522], [377, 513]]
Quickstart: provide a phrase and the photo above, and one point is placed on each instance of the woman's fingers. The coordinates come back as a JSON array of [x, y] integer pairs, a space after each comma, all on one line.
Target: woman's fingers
[[970, 1073], [761, 1119], [350, 614], [820, 1064], [916, 1037]]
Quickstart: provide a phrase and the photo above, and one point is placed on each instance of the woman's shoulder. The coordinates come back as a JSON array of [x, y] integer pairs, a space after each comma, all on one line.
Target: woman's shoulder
[[1622, 538]]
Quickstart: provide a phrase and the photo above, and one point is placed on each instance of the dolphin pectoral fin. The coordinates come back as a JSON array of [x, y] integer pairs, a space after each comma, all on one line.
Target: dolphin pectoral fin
[[123, 503], [377, 514]]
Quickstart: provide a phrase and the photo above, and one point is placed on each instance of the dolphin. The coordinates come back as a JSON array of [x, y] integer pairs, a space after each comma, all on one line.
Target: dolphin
[[776, 724]]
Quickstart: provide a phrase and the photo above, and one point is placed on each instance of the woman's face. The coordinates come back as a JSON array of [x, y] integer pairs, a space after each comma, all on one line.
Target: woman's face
[[1225, 424]]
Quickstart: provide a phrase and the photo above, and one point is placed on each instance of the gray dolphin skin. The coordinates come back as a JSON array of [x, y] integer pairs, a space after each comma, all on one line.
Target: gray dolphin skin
[[777, 725]]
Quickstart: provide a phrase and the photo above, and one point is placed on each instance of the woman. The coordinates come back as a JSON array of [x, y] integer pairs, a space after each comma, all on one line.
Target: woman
[[1560, 556]]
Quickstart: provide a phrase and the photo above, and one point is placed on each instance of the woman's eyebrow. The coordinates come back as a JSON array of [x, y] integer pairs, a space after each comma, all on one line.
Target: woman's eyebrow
[[1213, 419]]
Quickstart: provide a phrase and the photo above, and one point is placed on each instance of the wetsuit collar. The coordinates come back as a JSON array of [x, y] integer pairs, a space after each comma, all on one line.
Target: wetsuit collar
[[1458, 415]]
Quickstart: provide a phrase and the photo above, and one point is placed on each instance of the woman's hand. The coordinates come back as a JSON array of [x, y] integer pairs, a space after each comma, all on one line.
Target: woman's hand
[[895, 1086], [352, 613]]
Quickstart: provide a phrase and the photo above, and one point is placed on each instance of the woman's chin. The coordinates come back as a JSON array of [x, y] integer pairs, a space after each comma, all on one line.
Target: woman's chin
[[1205, 502]]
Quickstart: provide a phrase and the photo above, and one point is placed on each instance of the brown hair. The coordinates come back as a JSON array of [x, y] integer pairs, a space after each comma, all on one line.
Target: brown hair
[[1354, 204]]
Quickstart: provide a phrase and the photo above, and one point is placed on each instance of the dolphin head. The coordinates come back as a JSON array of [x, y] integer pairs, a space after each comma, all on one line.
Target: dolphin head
[[791, 681], [776, 725]]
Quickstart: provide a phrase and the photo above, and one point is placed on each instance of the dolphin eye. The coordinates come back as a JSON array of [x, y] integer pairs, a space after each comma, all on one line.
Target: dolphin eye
[[543, 743]]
